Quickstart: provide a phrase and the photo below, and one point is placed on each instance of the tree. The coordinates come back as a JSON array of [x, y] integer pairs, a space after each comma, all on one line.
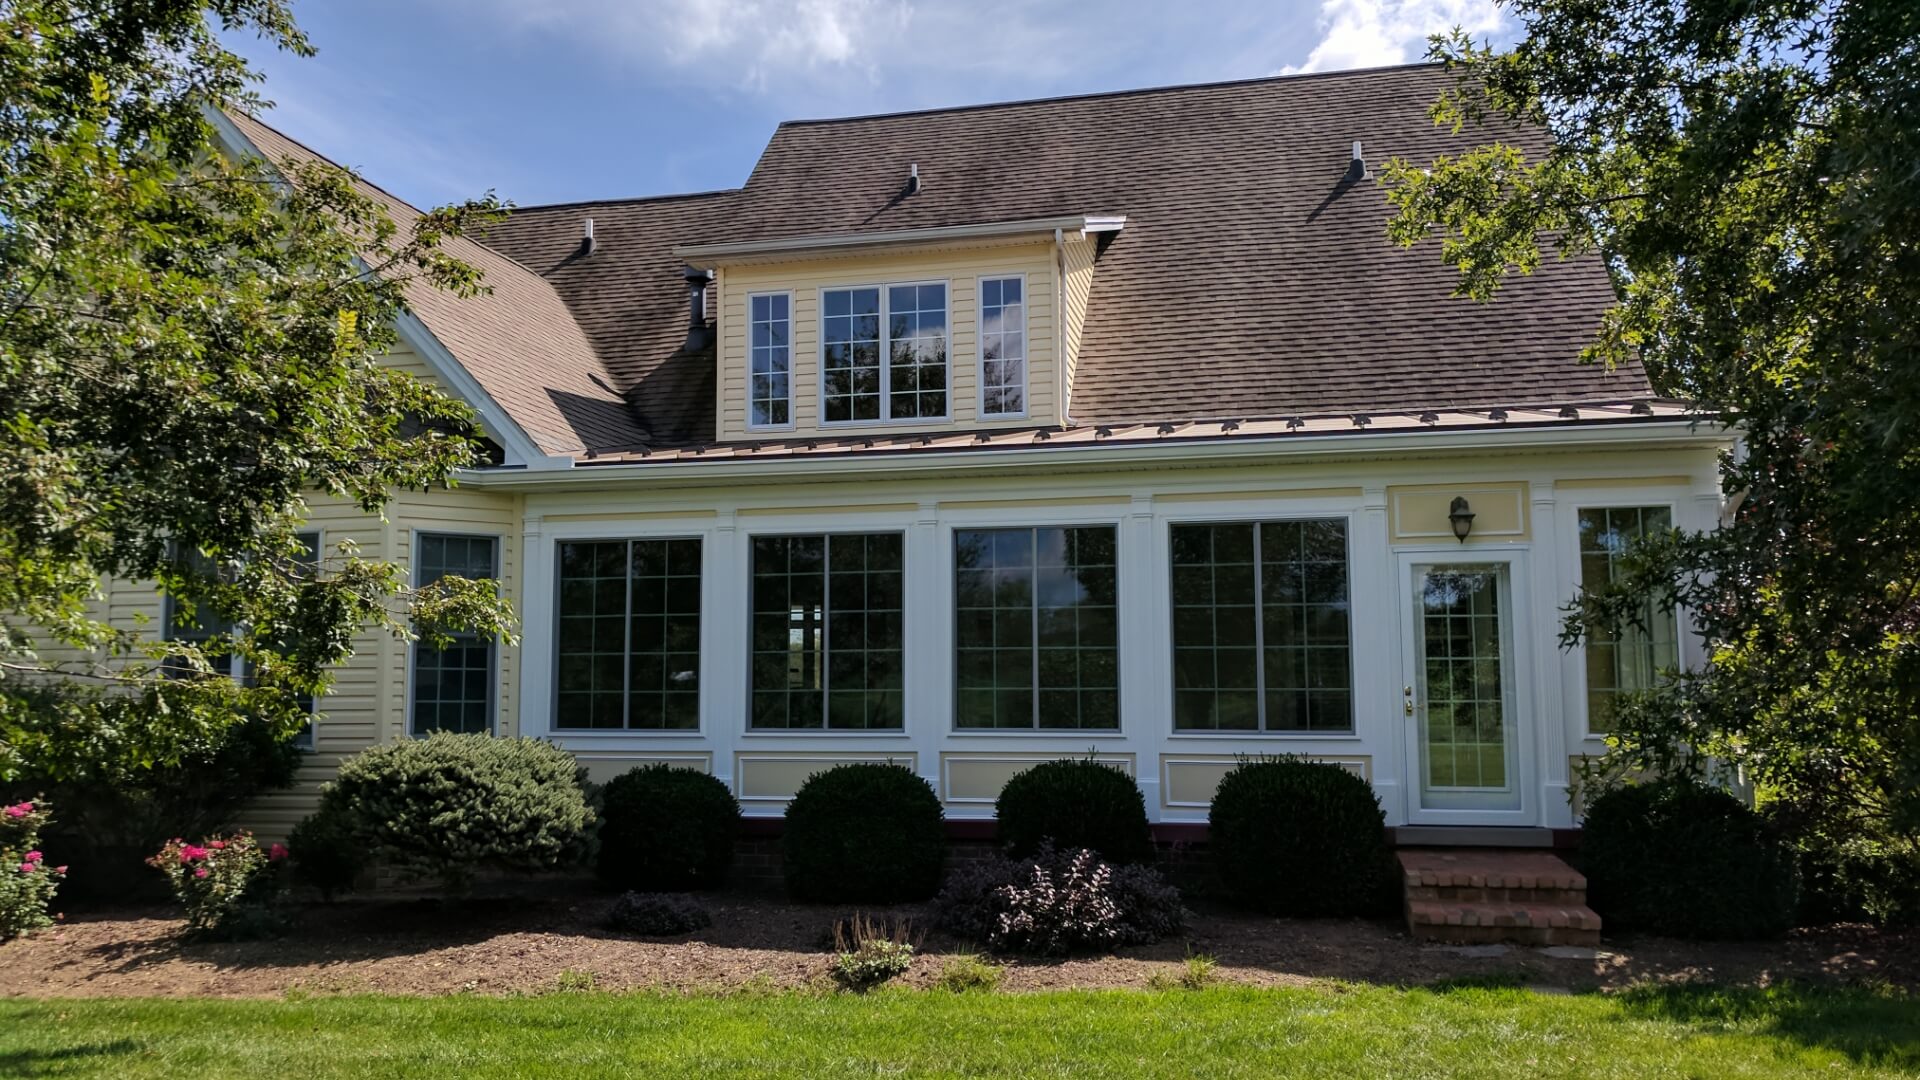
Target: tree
[[1748, 172], [188, 349]]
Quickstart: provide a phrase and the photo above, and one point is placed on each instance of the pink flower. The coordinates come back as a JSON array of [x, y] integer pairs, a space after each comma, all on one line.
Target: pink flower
[[20, 810], [202, 872], [26, 868], [217, 845], [276, 852], [33, 856], [61, 870], [191, 852]]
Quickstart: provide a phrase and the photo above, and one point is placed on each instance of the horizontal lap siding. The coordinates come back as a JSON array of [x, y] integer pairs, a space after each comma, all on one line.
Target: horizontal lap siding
[[960, 269]]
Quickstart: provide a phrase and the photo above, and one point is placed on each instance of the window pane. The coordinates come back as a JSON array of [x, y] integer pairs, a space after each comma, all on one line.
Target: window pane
[[1035, 628], [1003, 350], [917, 347], [452, 688], [1632, 657], [663, 634], [826, 632], [769, 400], [850, 355]]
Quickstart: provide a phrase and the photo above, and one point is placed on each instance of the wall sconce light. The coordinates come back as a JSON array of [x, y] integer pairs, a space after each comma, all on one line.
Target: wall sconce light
[[1462, 517]]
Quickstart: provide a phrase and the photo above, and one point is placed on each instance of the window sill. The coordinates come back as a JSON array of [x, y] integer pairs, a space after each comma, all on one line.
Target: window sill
[[907, 423], [1037, 733], [624, 733], [822, 733], [1286, 736]]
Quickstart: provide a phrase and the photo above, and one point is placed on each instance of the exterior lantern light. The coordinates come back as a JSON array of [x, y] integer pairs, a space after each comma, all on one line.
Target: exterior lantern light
[[1462, 517]]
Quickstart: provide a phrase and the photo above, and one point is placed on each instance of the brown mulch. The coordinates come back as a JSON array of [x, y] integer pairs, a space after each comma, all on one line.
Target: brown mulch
[[526, 940]]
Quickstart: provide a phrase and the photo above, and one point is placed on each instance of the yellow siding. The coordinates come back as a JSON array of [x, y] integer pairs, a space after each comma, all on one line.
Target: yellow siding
[[961, 269], [1079, 285]]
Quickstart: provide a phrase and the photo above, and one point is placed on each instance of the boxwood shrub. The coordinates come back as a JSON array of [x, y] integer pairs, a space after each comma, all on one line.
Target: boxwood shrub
[[865, 832], [449, 805], [1075, 803], [1677, 857], [1301, 838], [666, 829]]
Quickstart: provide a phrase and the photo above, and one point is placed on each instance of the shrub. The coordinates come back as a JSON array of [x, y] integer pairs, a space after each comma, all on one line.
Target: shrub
[[1676, 857], [228, 885], [868, 952], [657, 914], [326, 854], [1058, 902], [1851, 868], [668, 829], [448, 805], [1199, 972], [27, 883], [1076, 803], [865, 832], [966, 973], [1300, 838]]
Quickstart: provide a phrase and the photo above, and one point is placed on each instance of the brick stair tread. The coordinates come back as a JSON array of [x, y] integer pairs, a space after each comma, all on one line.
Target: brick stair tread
[[1497, 914], [1482, 869]]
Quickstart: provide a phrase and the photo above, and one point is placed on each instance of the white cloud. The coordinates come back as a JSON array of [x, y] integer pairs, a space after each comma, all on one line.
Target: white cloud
[[1372, 33]]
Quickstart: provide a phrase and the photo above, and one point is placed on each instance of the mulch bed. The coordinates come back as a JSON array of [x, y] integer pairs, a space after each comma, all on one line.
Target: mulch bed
[[526, 938]]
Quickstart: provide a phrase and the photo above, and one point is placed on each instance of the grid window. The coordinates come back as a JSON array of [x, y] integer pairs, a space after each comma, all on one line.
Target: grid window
[[1035, 641], [1462, 682], [1633, 657], [1003, 347], [1261, 636], [629, 635], [453, 687], [827, 633], [904, 325], [770, 393]]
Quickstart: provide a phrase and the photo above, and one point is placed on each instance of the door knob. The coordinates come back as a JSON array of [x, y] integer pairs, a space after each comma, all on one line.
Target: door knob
[[1406, 693]]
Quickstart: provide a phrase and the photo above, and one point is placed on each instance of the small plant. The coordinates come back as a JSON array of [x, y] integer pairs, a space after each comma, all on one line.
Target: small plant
[[866, 833], [229, 885], [27, 883], [575, 981], [1075, 803], [869, 952], [328, 857], [1059, 902], [1300, 838], [966, 973], [1199, 972], [657, 914], [667, 829]]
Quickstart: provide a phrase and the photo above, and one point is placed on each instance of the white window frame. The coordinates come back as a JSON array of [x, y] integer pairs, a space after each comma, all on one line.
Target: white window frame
[[791, 373], [310, 740], [980, 349], [493, 650], [886, 354], [626, 703], [1583, 690]]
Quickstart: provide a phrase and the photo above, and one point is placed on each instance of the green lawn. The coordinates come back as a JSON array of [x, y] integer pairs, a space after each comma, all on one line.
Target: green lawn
[[1344, 1032]]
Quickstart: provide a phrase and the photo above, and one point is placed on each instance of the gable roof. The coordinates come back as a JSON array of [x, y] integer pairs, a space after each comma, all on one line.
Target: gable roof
[[519, 341]]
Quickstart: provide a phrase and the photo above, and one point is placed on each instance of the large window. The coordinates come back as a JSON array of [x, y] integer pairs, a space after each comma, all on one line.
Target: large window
[[198, 624], [1261, 620], [453, 687], [827, 632], [1036, 628], [1003, 347], [1633, 656], [770, 391], [883, 353], [629, 635]]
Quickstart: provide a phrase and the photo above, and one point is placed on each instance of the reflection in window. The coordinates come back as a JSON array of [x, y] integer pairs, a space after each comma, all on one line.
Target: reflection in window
[[453, 687], [1632, 657], [827, 632], [1003, 347], [629, 617], [1035, 635], [769, 390], [1261, 627], [883, 353]]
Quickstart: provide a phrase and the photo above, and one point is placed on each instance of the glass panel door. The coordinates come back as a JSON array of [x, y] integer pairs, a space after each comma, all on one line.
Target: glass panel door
[[1462, 695]]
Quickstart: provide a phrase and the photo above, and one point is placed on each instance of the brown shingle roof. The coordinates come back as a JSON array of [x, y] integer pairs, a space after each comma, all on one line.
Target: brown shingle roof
[[519, 341]]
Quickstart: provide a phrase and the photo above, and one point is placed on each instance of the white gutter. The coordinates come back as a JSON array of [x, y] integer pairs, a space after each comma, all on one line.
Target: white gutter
[[829, 241], [868, 464]]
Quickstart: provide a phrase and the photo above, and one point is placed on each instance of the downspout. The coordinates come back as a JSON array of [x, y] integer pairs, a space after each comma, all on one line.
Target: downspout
[[1062, 386]]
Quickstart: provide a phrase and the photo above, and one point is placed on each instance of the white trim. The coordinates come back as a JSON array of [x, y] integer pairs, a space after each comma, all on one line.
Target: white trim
[[554, 615], [885, 346], [792, 310], [980, 348], [890, 237]]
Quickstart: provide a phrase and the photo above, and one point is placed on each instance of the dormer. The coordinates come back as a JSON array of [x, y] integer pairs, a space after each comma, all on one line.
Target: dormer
[[909, 330]]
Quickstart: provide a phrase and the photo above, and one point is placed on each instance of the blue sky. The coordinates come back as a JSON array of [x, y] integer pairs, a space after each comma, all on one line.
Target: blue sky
[[560, 100]]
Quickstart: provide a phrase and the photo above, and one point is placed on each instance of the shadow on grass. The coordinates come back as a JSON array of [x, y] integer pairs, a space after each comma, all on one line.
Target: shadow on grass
[[55, 1062], [1876, 1027]]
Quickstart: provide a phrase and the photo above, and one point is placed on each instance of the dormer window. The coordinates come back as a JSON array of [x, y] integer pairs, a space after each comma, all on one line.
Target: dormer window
[[770, 390], [1003, 347], [883, 353]]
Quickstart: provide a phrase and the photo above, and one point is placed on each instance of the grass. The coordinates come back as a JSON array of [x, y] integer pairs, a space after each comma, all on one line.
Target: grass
[[1470, 1031]]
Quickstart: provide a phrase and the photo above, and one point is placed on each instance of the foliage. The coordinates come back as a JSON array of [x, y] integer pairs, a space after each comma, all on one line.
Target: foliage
[[1746, 170], [1676, 857], [448, 805], [27, 883], [666, 828], [868, 952], [1075, 803], [1856, 873], [188, 347], [1302, 838], [866, 832], [229, 886], [327, 855], [657, 914], [1199, 972], [1058, 902], [964, 973]]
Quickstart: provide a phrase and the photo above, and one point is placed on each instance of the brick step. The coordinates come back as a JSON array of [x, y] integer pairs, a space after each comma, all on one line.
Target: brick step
[[1497, 894], [1483, 923]]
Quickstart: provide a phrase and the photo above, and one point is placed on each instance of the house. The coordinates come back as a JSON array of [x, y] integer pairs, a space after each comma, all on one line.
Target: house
[[976, 437]]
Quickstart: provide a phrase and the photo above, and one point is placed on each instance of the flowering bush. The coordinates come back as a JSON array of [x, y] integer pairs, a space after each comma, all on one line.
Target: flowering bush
[[27, 883], [229, 885], [1059, 902]]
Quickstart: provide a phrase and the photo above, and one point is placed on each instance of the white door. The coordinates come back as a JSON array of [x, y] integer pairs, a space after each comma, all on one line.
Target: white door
[[1466, 711]]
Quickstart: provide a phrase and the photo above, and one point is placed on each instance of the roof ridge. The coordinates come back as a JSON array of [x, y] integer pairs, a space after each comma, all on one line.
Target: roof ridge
[[627, 199], [1298, 76]]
